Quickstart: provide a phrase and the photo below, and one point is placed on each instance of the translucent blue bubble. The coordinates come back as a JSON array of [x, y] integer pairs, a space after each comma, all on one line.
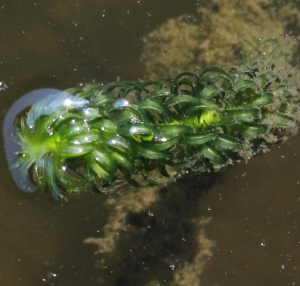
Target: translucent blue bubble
[[52, 103], [121, 103], [44, 101]]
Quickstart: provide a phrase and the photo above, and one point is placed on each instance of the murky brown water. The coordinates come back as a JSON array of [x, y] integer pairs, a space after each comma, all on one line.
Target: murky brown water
[[255, 210], [256, 221]]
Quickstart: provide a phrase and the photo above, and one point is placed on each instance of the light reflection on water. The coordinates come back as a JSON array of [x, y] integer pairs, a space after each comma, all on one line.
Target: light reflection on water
[[60, 45]]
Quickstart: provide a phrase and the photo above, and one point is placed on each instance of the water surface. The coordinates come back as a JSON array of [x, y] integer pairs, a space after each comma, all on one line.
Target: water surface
[[255, 208]]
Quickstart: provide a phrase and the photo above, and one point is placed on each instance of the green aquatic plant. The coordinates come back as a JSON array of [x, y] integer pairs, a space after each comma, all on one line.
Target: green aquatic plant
[[151, 132]]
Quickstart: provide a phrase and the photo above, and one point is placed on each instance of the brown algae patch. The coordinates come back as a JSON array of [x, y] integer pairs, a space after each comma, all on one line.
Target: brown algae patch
[[156, 236], [224, 33]]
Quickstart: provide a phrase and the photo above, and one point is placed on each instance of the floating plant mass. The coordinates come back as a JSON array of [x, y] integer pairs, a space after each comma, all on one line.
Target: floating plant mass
[[148, 132]]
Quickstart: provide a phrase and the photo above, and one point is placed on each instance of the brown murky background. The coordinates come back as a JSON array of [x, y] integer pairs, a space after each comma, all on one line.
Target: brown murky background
[[255, 209]]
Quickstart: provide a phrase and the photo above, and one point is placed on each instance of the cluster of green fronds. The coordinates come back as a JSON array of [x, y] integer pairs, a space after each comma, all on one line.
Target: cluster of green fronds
[[194, 122]]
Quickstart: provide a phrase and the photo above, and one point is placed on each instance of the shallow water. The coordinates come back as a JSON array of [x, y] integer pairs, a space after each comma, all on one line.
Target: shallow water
[[256, 221], [254, 210]]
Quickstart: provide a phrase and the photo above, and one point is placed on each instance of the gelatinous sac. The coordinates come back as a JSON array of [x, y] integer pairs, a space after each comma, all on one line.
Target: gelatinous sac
[[149, 133]]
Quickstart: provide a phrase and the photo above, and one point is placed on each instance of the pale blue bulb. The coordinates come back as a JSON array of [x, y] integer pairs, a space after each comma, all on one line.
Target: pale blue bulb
[[44, 102]]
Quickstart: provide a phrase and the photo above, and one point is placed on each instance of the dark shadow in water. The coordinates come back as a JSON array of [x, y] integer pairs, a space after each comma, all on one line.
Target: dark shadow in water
[[161, 236]]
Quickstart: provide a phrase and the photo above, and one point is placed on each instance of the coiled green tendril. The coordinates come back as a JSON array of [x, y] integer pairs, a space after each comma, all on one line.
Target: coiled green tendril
[[194, 122]]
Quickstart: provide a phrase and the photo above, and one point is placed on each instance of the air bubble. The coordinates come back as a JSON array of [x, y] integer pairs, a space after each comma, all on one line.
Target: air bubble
[[121, 103], [133, 130]]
